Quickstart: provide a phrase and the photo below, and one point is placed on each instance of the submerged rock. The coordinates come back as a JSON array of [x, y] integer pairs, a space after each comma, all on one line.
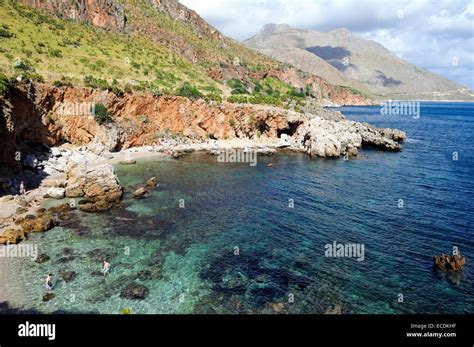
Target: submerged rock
[[48, 296], [97, 274], [152, 274], [127, 162], [99, 254], [67, 276], [95, 206], [65, 259], [42, 258], [134, 292]]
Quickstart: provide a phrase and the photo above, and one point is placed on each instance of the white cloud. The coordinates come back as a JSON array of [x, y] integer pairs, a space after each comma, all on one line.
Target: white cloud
[[430, 33]]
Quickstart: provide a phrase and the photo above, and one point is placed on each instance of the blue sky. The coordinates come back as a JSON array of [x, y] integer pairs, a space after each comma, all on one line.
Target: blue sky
[[437, 35]]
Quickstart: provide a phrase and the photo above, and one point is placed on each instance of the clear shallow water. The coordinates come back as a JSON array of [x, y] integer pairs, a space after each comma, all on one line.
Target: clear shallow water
[[189, 252]]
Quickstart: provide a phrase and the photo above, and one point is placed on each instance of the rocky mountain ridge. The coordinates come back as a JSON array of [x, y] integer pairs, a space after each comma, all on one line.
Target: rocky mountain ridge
[[343, 58]]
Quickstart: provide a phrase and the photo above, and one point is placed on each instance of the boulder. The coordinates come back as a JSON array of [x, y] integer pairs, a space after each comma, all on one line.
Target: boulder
[[95, 183], [127, 162], [140, 193], [134, 292], [55, 193], [151, 183]]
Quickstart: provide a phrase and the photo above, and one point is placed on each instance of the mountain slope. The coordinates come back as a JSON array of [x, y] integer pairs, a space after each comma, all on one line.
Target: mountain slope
[[145, 45], [345, 59]]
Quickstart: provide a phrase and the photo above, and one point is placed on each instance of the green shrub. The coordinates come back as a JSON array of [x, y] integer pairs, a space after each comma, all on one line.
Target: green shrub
[[296, 93], [5, 33], [213, 97], [238, 99], [35, 77], [63, 82], [23, 66], [128, 88], [68, 42], [102, 114], [4, 84], [96, 83], [189, 91], [55, 53], [231, 122], [237, 86], [117, 91]]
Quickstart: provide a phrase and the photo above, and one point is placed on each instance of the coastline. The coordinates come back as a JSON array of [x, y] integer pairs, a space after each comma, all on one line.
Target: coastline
[[36, 198]]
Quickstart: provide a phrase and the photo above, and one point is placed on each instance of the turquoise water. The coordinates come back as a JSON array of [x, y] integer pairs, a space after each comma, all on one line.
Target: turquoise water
[[236, 246]]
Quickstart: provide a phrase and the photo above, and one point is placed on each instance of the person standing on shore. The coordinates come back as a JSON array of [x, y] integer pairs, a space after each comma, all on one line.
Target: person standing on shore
[[106, 268], [22, 188], [49, 282]]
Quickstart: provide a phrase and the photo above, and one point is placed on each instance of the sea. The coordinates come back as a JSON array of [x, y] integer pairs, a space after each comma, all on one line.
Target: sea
[[231, 238]]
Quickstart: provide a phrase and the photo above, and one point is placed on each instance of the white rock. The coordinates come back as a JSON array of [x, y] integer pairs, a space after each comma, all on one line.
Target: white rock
[[55, 152], [55, 193]]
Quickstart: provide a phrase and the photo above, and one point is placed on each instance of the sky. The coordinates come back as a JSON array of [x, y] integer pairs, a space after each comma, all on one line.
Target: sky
[[437, 35]]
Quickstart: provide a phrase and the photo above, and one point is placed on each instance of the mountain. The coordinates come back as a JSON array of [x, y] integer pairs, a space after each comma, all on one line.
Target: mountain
[[159, 46], [343, 58], [156, 71]]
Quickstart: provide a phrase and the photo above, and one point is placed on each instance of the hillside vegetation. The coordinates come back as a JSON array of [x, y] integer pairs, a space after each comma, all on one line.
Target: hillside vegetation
[[144, 46]]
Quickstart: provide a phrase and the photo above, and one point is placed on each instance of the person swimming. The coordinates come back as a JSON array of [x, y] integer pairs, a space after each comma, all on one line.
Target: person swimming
[[106, 267], [49, 282]]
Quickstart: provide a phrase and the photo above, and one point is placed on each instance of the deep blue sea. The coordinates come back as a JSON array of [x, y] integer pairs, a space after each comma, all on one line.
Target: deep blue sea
[[252, 239]]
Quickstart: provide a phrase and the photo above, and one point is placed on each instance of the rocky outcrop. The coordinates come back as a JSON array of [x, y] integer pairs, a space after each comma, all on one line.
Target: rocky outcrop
[[324, 138], [92, 182], [42, 221], [106, 14], [38, 224], [12, 236], [98, 184]]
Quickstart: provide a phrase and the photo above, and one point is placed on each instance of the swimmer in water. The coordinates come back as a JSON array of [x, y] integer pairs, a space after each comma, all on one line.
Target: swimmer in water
[[106, 268], [49, 282]]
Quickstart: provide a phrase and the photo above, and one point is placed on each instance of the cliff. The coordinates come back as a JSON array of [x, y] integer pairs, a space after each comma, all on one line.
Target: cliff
[[63, 115]]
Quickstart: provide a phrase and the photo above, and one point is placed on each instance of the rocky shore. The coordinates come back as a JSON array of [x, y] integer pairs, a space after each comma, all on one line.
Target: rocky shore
[[73, 156]]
